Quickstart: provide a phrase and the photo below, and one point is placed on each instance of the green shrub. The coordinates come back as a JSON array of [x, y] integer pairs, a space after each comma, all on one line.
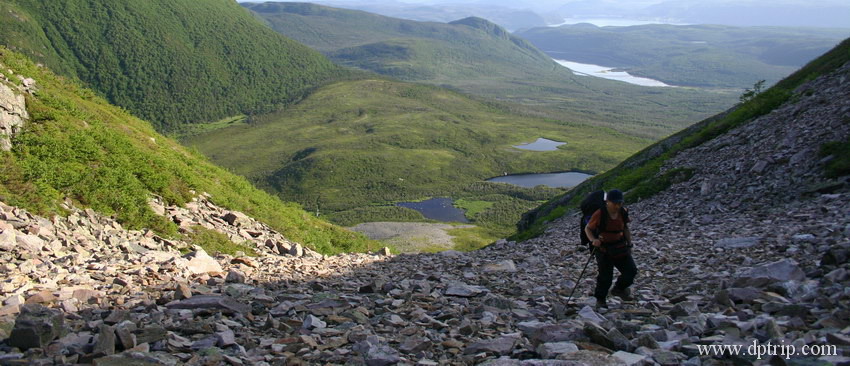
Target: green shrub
[[840, 163]]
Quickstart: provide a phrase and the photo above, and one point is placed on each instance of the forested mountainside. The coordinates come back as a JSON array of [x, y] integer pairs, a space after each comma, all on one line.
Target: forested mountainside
[[714, 56], [69, 146], [171, 62]]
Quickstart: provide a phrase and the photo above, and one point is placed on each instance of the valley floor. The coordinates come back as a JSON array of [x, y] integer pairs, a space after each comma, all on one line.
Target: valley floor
[[410, 237]]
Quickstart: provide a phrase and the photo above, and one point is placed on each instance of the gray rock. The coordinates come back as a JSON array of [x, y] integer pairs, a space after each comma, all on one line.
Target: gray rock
[[555, 349], [838, 339], [210, 302], [8, 240], [620, 341], [124, 333], [738, 243], [150, 334], [782, 270], [30, 243], [588, 314], [225, 339], [646, 340], [138, 359], [377, 354], [237, 219], [500, 346], [463, 290], [235, 276], [296, 250], [200, 262], [501, 266], [182, 291], [744, 295], [312, 322], [105, 344], [557, 333], [630, 359], [598, 335], [836, 275], [36, 326], [685, 308], [664, 357], [415, 344]]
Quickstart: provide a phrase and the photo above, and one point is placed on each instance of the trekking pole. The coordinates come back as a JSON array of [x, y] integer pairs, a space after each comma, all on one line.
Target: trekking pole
[[592, 252]]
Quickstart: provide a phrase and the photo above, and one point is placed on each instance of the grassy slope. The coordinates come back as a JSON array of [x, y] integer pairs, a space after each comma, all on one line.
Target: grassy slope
[[478, 57], [78, 146], [639, 175], [360, 143], [168, 61], [697, 55]]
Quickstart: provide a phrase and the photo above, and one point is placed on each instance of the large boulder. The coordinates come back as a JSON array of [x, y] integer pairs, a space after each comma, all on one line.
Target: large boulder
[[36, 327], [200, 262], [779, 271]]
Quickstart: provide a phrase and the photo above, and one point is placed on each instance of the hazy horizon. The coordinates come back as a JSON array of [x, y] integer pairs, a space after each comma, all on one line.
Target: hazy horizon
[[525, 14]]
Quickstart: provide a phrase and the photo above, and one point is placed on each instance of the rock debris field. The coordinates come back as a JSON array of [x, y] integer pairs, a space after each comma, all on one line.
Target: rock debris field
[[752, 249]]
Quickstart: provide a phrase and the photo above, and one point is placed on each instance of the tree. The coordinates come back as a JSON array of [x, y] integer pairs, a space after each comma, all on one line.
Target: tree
[[749, 94]]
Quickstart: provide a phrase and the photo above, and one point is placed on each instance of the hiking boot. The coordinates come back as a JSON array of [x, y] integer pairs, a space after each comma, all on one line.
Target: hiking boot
[[600, 303], [623, 294]]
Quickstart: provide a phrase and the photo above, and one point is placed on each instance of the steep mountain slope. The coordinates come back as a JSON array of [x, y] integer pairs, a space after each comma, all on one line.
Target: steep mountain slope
[[480, 58], [713, 272], [696, 55], [171, 62], [75, 146]]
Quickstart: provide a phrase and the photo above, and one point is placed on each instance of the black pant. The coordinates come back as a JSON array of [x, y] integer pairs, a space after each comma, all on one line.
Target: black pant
[[626, 266]]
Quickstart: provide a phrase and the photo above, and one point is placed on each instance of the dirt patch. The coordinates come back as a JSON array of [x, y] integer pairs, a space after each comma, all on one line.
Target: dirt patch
[[410, 237]]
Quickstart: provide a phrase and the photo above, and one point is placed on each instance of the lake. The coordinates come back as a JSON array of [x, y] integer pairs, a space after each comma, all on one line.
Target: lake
[[555, 180], [608, 73], [440, 209], [541, 145]]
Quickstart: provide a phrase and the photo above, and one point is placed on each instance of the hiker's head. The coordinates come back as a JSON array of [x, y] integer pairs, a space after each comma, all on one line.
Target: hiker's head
[[614, 197]]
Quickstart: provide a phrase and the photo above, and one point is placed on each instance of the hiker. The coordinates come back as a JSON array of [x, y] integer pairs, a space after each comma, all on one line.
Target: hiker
[[611, 240]]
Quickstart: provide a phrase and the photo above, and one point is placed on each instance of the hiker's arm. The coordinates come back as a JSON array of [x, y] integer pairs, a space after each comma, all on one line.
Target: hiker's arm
[[591, 227], [627, 234]]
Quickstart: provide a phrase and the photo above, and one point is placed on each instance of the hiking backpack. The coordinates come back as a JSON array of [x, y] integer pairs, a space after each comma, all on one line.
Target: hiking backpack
[[594, 201]]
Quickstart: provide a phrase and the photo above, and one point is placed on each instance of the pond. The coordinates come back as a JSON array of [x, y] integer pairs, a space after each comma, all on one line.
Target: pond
[[541, 145], [440, 209], [554, 180]]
